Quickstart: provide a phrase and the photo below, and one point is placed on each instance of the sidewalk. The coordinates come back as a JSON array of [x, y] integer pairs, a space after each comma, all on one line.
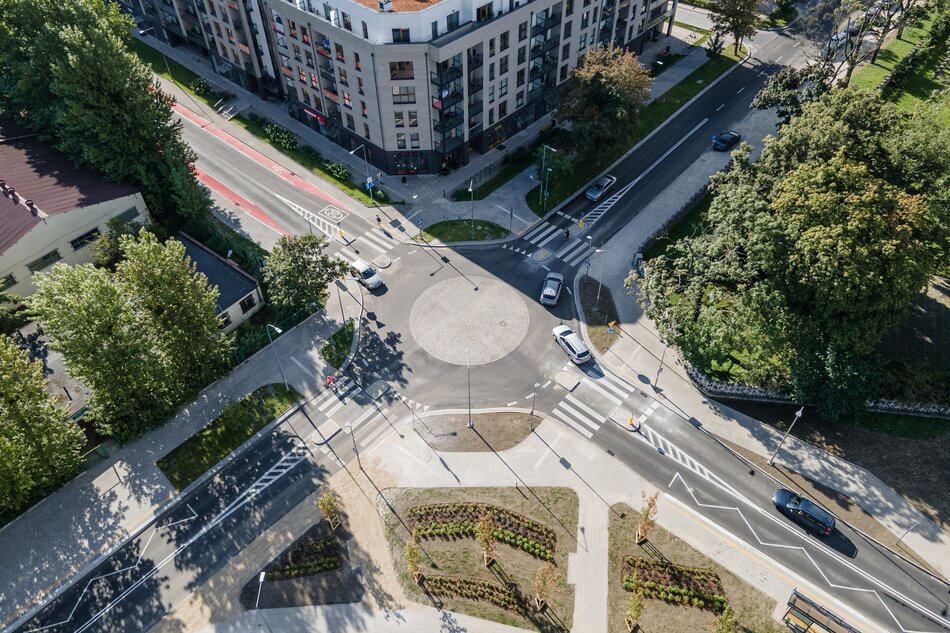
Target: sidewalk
[[553, 456], [50, 543], [640, 355]]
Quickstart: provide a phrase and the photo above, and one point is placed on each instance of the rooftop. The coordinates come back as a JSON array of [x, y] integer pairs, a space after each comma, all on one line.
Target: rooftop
[[233, 283], [32, 170], [401, 5]]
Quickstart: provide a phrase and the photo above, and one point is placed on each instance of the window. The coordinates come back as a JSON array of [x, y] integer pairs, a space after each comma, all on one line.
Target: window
[[356, 61], [435, 30], [343, 79], [491, 116], [365, 31], [503, 89], [491, 94], [522, 31], [350, 123], [565, 50], [363, 109], [563, 73], [567, 29], [522, 55], [502, 109], [400, 119], [129, 214], [520, 81], [582, 43], [339, 52], [400, 70], [347, 99], [305, 96], [519, 99], [491, 47], [413, 118], [503, 65], [359, 85], [401, 140], [452, 21], [7, 282], [491, 71], [400, 36], [569, 7], [484, 13], [44, 262], [327, 11], [293, 28], [346, 22], [596, 10], [314, 81], [310, 59], [585, 19], [305, 35], [414, 140], [301, 76], [503, 42], [84, 239], [365, 128], [404, 94], [247, 303], [224, 320]]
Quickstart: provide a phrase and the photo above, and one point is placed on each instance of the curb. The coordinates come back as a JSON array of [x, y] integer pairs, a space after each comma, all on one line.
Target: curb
[[355, 343]]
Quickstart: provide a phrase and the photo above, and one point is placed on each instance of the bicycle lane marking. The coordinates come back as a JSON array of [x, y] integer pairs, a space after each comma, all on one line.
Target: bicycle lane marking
[[253, 154]]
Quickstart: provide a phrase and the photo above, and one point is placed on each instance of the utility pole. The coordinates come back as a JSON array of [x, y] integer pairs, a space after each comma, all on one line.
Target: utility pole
[[471, 190], [603, 270], [798, 414], [544, 149], [279, 331], [365, 171], [468, 367], [349, 429]]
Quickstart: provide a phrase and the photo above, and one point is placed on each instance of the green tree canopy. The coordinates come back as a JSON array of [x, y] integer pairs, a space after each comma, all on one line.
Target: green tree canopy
[[298, 272], [739, 18], [606, 93], [39, 446]]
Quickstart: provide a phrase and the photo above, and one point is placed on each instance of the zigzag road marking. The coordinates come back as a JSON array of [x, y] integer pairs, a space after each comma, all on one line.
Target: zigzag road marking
[[286, 463]]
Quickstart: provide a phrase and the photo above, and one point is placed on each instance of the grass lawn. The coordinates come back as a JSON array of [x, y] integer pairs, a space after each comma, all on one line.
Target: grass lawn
[[906, 426], [311, 161], [597, 316], [752, 608], [461, 231], [870, 75], [238, 422], [171, 70], [555, 508], [337, 348], [779, 18], [653, 116]]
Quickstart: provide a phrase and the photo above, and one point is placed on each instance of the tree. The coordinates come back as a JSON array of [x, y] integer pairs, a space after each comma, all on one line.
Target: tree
[[39, 446], [559, 163], [329, 504], [485, 535], [298, 272], [544, 581], [106, 250], [182, 304], [716, 42], [739, 18], [634, 609], [413, 561], [790, 88], [605, 97], [647, 519], [726, 622]]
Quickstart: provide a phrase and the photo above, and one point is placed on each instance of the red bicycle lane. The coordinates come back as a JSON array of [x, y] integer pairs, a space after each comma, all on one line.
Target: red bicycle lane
[[239, 201]]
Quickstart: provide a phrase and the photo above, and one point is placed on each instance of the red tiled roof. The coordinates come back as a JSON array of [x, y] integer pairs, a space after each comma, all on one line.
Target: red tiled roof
[[38, 172]]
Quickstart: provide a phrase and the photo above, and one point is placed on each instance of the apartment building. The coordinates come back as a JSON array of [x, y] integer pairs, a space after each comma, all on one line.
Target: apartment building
[[420, 85]]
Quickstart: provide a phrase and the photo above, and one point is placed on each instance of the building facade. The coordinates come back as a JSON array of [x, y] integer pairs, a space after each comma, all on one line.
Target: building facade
[[420, 85]]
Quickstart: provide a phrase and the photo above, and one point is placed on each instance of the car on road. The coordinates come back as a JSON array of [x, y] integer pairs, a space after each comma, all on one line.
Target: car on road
[[572, 344], [599, 188], [726, 140], [367, 275], [551, 290], [804, 512]]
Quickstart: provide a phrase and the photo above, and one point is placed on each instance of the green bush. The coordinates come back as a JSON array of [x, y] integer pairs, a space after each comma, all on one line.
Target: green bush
[[338, 171], [201, 87], [282, 138]]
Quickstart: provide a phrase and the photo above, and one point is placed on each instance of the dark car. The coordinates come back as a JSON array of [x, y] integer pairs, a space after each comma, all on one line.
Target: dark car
[[726, 140], [804, 512]]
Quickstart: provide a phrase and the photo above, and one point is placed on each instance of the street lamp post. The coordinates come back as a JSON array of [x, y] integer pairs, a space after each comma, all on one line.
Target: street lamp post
[[471, 190], [468, 367], [349, 429], [547, 179], [534, 396], [274, 347], [603, 270], [590, 251], [365, 170], [798, 414], [260, 585], [544, 149]]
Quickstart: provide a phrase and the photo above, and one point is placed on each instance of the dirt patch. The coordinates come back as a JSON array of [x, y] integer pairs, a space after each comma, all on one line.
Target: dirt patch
[[841, 505], [493, 431], [753, 609], [597, 314], [555, 508], [328, 587], [916, 469]]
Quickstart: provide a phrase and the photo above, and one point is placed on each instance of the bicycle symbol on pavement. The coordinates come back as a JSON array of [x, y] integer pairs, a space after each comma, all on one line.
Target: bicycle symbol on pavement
[[333, 214]]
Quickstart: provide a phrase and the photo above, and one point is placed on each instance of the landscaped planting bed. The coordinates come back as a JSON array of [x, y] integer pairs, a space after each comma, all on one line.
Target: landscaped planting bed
[[676, 584], [479, 591], [312, 556], [454, 520]]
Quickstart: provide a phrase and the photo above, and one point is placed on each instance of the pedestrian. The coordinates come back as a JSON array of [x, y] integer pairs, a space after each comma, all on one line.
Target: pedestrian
[[567, 234], [330, 382], [379, 221], [405, 182]]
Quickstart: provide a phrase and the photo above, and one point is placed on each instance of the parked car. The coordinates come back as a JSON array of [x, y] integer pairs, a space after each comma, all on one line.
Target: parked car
[[838, 39], [367, 275], [572, 344], [725, 141], [551, 290], [599, 188], [804, 512]]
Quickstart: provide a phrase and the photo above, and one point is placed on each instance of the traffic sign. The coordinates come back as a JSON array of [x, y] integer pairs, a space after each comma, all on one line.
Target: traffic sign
[[580, 223], [587, 263], [369, 182]]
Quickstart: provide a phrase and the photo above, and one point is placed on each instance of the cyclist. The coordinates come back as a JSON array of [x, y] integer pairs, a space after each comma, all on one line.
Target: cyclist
[[330, 384]]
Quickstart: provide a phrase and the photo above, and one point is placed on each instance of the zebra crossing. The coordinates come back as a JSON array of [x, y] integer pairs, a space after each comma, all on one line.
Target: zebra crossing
[[583, 417], [374, 242], [544, 236]]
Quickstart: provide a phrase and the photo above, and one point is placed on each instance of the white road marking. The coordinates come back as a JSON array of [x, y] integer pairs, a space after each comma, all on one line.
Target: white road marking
[[545, 268], [740, 89], [600, 418], [574, 425], [779, 58], [579, 416], [571, 245], [608, 385], [545, 385], [617, 380], [362, 418], [720, 107], [300, 365], [369, 439], [606, 394], [511, 404]]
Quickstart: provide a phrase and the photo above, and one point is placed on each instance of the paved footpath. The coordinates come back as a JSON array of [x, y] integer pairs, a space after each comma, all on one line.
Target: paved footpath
[[64, 533], [554, 456]]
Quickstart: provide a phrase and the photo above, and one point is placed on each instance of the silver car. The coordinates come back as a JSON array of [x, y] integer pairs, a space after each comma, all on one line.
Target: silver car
[[551, 290], [367, 275], [599, 188], [572, 344]]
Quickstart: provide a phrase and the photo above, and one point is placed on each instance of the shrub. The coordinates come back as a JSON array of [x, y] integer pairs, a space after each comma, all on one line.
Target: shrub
[[338, 171], [281, 138], [201, 87]]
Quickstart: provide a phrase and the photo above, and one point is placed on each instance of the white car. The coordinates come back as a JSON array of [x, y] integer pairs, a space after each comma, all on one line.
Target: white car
[[572, 344], [599, 188], [551, 290], [367, 275]]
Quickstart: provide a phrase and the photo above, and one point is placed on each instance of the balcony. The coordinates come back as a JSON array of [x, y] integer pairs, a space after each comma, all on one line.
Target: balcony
[[534, 94], [323, 51], [244, 47], [449, 144], [475, 61], [541, 25], [540, 49], [447, 102], [327, 73], [475, 107], [332, 96], [446, 76], [448, 123], [475, 84]]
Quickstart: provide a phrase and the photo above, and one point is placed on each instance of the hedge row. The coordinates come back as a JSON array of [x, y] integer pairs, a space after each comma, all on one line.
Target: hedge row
[[478, 590]]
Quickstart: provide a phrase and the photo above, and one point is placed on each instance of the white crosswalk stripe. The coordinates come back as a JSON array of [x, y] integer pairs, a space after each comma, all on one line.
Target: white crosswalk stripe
[[578, 255], [533, 233], [606, 384], [620, 382], [547, 231], [574, 425], [363, 239], [593, 384], [548, 239], [379, 240], [366, 414], [571, 245], [577, 415], [600, 418]]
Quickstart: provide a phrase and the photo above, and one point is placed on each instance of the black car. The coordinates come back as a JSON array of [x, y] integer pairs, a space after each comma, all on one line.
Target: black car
[[726, 140], [804, 512]]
